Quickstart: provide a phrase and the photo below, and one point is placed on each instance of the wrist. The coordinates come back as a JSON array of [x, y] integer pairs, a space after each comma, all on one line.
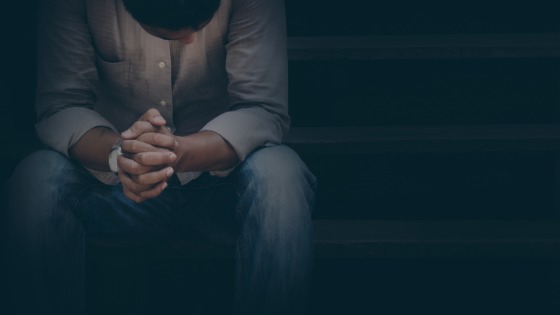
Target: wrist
[[181, 163], [204, 151], [94, 147]]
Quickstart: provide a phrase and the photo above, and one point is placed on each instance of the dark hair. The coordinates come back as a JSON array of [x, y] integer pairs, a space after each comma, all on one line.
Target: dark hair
[[172, 14]]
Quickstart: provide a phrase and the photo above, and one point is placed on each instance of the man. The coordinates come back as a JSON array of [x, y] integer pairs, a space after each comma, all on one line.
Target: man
[[164, 119]]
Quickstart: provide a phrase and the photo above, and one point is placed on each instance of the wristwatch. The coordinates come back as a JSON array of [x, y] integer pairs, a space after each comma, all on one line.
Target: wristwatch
[[115, 152]]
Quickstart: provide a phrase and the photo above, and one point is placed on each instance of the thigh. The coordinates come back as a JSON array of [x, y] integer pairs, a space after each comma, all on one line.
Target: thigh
[[109, 216], [272, 184], [49, 192], [43, 189]]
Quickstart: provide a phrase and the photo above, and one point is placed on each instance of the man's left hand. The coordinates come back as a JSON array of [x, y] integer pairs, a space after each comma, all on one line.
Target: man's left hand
[[148, 157]]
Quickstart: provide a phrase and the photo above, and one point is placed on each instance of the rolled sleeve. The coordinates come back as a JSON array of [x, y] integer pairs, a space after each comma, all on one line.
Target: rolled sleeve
[[67, 77], [257, 67], [246, 129], [63, 129]]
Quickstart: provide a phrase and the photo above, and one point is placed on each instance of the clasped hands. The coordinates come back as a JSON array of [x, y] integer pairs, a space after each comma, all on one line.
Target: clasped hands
[[149, 155]]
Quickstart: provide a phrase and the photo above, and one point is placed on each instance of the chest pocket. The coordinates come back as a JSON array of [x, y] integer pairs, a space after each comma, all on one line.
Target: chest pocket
[[114, 77]]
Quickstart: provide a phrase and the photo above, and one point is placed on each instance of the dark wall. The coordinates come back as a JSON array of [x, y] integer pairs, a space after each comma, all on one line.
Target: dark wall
[[18, 82]]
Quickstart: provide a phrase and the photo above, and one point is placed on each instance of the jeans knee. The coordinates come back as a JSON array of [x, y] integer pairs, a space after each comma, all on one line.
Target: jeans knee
[[280, 169], [280, 189], [43, 165], [40, 183]]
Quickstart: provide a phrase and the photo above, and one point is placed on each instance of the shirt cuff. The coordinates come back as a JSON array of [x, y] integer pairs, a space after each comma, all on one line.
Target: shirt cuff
[[186, 177], [63, 129], [106, 178], [246, 130]]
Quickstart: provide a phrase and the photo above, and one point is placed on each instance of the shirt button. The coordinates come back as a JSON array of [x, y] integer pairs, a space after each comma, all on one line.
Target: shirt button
[[162, 64], [163, 103]]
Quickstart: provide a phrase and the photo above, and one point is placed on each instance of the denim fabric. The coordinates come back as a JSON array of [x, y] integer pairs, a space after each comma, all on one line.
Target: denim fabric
[[264, 207]]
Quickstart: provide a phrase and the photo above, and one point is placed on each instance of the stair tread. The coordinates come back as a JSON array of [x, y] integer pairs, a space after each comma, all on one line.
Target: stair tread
[[524, 45], [437, 231], [364, 239], [388, 238], [426, 138]]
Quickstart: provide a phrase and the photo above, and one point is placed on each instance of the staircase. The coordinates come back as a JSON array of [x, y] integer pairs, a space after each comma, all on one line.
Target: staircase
[[433, 130]]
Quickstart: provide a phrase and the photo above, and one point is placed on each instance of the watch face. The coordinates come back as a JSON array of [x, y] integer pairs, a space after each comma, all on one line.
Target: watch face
[[115, 152], [113, 160]]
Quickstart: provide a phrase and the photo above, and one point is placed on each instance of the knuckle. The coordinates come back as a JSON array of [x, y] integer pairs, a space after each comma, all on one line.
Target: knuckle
[[169, 142], [163, 141], [138, 199], [126, 145], [122, 179], [142, 179], [140, 158], [127, 186], [154, 138], [122, 163], [135, 178], [132, 146], [135, 126], [148, 194], [146, 138], [135, 169], [152, 112], [130, 195], [144, 125], [139, 126]]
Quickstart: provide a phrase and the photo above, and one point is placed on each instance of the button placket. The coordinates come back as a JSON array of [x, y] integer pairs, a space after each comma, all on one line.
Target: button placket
[[162, 64]]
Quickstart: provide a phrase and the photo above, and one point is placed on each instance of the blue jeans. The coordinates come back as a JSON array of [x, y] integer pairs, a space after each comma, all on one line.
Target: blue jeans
[[264, 207]]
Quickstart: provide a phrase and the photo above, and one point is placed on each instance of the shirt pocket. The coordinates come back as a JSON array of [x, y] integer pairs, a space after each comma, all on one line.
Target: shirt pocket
[[114, 76]]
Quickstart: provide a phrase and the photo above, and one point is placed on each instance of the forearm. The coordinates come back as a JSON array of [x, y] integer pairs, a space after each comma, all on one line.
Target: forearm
[[93, 148], [205, 151]]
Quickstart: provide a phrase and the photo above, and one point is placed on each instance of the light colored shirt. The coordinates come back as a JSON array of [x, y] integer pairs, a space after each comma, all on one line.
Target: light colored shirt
[[97, 67]]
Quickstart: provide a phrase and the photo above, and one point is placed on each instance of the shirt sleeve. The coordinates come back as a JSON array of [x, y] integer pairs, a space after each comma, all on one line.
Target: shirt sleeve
[[66, 75], [257, 67]]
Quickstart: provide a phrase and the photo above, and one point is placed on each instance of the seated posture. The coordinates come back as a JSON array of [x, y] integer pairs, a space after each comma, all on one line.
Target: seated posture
[[163, 121]]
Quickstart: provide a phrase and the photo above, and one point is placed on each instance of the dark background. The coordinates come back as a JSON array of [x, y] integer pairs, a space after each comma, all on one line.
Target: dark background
[[17, 88], [379, 92], [460, 185]]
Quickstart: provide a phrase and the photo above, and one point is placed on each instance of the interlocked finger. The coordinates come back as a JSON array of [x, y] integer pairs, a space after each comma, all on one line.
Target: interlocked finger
[[138, 128], [153, 177], [153, 116], [167, 141], [139, 193], [136, 146], [132, 167], [154, 158]]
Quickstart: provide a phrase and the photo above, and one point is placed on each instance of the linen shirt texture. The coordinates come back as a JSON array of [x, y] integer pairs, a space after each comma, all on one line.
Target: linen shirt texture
[[97, 67]]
